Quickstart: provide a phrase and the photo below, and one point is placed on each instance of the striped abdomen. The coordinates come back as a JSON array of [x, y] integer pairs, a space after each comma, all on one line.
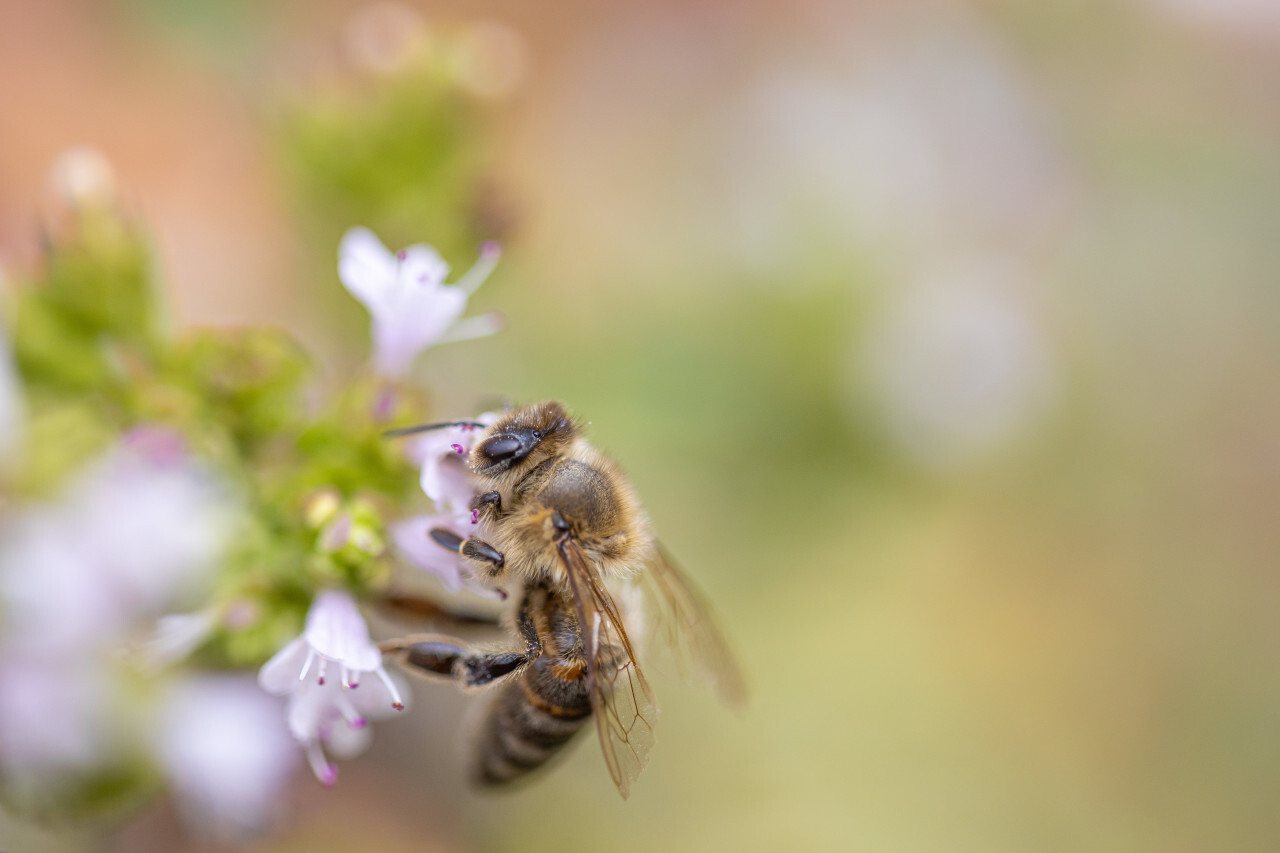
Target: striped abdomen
[[531, 718]]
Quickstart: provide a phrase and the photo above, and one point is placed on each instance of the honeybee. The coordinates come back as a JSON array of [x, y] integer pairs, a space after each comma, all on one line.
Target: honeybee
[[560, 521]]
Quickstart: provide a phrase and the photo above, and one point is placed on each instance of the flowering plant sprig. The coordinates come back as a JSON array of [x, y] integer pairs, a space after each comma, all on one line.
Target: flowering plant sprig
[[187, 507]]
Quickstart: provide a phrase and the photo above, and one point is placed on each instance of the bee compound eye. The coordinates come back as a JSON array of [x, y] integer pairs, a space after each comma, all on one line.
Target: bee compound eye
[[501, 447]]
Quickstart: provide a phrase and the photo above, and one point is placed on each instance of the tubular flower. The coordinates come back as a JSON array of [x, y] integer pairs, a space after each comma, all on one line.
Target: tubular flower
[[442, 453], [224, 748], [412, 539], [411, 306], [324, 711]]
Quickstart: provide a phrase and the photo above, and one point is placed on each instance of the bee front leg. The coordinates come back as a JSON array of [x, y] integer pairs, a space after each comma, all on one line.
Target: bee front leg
[[488, 505], [475, 550]]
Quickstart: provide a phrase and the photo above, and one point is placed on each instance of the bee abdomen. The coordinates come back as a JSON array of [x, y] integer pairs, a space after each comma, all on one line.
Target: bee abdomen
[[530, 720]]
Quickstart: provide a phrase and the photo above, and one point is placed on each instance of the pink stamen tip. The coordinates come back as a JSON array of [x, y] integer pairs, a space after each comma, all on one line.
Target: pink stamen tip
[[490, 248], [399, 706], [359, 723], [402, 254], [458, 448], [354, 685], [475, 516], [320, 680], [502, 594], [329, 776]]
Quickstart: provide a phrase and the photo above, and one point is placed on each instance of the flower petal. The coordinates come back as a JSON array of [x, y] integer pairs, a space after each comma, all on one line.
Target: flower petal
[[473, 327], [421, 265], [419, 318], [225, 748], [480, 271], [413, 542], [346, 740], [367, 269], [336, 630], [280, 675]]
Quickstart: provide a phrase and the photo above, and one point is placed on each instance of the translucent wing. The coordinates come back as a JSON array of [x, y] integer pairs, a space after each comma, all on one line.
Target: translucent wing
[[682, 621], [621, 700]]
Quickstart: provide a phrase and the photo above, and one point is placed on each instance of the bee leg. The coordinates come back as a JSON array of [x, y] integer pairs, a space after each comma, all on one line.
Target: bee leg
[[482, 552], [432, 654], [488, 505], [473, 549], [429, 654]]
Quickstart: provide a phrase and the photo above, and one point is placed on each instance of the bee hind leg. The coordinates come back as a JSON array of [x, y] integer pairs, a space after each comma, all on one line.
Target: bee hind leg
[[427, 654], [433, 654]]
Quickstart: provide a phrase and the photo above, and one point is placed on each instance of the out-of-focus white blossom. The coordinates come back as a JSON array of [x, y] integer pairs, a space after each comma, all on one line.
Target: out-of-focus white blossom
[[227, 752], [920, 138], [83, 177], [1250, 18], [322, 710], [958, 363], [12, 408], [176, 636], [405, 293], [78, 577], [412, 540], [383, 37], [136, 531], [56, 715]]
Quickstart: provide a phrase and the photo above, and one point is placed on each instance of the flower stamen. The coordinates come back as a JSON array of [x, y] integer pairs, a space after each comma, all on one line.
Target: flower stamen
[[325, 772], [396, 701]]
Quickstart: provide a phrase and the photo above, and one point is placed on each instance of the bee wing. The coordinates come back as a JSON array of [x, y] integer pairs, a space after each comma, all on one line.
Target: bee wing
[[682, 621], [621, 700]]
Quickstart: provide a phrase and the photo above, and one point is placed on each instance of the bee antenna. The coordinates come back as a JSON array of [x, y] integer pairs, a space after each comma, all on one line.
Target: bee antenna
[[411, 430]]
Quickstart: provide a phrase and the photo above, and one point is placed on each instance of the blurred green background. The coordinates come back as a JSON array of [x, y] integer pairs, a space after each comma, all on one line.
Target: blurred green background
[[940, 339]]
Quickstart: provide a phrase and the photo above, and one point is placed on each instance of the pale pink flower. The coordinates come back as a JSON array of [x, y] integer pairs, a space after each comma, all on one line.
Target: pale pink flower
[[175, 637], [323, 710], [137, 531], [12, 408], [328, 720], [56, 717], [442, 453], [411, 306], [226, 752], [412, 540]]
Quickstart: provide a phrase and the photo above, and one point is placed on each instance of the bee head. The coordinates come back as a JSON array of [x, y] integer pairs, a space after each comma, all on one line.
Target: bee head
[[522, 439]]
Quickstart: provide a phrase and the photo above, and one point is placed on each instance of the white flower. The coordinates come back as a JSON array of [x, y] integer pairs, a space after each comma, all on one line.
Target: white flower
[[226, 751], [176, 636], [411, 306], [442, 453], [412, 539], [55, 716], [325, 718], [958, 363], [135, 532], [324, 711], [12, 409]]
